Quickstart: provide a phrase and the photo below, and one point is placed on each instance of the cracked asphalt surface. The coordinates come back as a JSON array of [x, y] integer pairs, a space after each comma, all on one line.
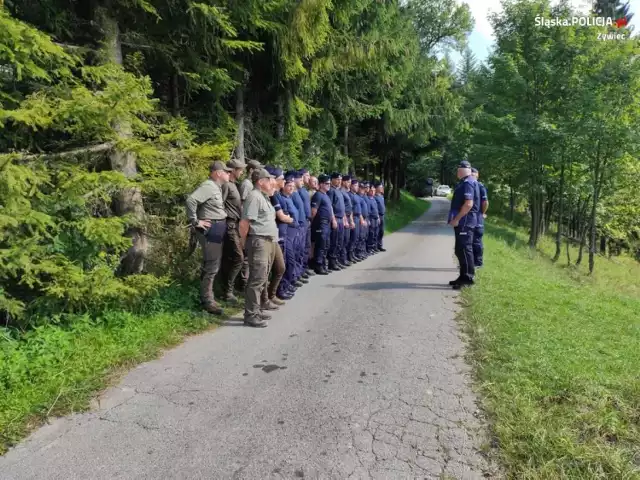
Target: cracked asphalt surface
[[360, 376]]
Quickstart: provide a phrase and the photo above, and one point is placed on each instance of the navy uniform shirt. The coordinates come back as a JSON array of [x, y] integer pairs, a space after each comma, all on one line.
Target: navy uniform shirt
[[356, 204], [364, 205], [290, 209], [380, 202], [322, 203], [337, 202], [299, 204], [277, 205], [348, 205], [467, 189], [304, 194], [484, 197], [373, 208]]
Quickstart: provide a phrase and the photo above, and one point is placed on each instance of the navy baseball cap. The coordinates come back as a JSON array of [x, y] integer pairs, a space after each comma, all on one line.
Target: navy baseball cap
[[276, 172], [303, 171], [323, 178], [464, 164], [335, 175], [364, 183], [346, 178], [474, 170], [377, 183], [354, 180], [289, 178]]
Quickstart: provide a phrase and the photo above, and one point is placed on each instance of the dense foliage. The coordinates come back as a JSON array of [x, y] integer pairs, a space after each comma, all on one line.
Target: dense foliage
[[110, 111]]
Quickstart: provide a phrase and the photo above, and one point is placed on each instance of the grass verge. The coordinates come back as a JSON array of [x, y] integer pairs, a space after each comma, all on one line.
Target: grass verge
[[404, 211], [556, 355], [56, 369]]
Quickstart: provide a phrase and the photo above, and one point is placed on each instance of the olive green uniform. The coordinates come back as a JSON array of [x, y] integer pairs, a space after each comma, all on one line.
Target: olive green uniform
[[206, 203]]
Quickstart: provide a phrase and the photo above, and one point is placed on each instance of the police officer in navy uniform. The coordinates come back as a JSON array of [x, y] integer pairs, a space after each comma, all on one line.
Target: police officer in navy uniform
[[354, 233], [283, 220], [463, 217], [379, 198], [289, 281], [301, 180], [374, 221], [348, 223], [322, 222], [337, 202], [478, 247], [364, 231], [300, 276]]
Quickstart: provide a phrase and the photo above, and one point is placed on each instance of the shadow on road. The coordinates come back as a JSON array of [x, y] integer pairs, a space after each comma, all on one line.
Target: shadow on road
[[414, 269], [392, 286]]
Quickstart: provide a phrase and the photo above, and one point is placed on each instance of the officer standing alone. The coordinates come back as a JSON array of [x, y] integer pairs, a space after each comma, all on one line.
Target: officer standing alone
[[364, 230], [463, 217], [374, 221], [379, 198], [478, 247]]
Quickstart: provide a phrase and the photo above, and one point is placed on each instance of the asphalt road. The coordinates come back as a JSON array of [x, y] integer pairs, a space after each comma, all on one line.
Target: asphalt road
[[360, 376]]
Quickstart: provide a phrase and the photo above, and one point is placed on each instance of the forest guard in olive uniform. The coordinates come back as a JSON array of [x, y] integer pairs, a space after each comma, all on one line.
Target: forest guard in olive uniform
[[232, 251], [260, 234], [206, 214]]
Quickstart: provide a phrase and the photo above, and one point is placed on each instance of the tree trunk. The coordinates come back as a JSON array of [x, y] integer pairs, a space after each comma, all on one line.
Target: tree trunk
[[175, 95], [537, 216], [603, 245], [396, 182], [281, 119], [240, 154], [560, 213], [583, 243], [346, 139], [596, 193], [512, 201], [129, 200]]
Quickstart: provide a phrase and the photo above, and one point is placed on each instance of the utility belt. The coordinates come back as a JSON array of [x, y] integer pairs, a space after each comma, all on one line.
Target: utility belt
[[263, 237]]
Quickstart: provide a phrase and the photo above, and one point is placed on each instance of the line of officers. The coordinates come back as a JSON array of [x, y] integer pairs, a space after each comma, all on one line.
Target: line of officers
[[266, 232]]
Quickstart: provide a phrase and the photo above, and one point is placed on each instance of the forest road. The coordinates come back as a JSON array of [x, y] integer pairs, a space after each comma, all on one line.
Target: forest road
[[360, 376]]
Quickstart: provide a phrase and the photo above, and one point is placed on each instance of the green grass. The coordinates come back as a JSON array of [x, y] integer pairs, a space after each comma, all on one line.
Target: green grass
[[557, 356], [403, 212], [54, 369]]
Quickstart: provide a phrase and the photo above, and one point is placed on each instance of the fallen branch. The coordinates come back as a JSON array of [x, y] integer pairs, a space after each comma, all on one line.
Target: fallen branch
[[102, 147]]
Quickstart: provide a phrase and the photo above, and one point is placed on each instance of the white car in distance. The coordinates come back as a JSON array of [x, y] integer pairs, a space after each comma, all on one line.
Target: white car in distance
[[443, 190]]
